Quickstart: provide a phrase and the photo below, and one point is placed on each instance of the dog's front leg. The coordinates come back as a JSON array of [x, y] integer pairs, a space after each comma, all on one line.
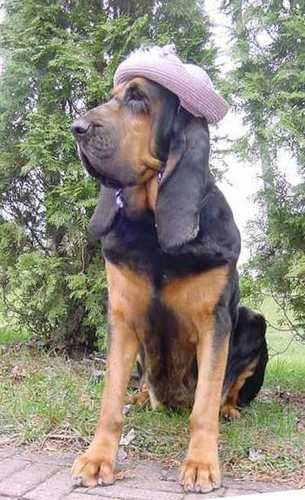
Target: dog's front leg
[[201, 471], [96, 465], [129, 298]]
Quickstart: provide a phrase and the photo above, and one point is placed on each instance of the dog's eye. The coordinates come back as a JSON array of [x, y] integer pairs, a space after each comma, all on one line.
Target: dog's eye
[[137, 100], [135, 94]]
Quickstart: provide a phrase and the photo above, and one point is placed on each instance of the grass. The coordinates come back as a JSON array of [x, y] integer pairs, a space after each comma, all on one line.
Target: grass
[[54, 402], [286, 368], [9, 337], [40, 393]]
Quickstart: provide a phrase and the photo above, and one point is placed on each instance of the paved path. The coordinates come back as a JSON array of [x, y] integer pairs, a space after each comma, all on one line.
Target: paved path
[[46, 476]]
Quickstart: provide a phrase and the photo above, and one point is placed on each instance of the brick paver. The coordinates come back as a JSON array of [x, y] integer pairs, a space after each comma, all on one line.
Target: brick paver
[[26, 475], [53, 488], [10, 465], [20, 482], [84, 496], [6, 452]]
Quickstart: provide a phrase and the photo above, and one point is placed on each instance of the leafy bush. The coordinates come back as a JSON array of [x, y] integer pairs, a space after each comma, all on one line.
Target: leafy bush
[[59, 60]]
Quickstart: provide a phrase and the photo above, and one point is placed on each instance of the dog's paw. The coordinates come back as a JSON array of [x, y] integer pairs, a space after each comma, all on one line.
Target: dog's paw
[[91, 469], [230, 412], [200, 476], [141, 398]]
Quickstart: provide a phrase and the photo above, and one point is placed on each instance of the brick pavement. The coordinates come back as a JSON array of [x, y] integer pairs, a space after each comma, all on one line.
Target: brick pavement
[[25, 475]]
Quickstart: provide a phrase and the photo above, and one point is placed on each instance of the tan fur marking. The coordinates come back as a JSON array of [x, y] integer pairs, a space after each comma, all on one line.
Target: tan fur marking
[[141, 398], [129, 295], [137, 135], [152, 188], [211, 364], [136, 200], [229, 407], [141, 197], [135, 145], [194, 297]]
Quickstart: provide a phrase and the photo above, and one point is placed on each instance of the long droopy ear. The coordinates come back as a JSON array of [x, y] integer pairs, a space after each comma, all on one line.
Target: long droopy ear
[[104, 213], [184, 183]]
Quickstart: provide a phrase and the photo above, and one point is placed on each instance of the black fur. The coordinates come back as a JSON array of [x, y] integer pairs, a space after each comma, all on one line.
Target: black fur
[[178, 210], [104, 213], [248, 342]]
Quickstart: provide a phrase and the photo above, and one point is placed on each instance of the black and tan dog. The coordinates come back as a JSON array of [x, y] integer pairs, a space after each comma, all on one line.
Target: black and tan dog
[[171, 246]]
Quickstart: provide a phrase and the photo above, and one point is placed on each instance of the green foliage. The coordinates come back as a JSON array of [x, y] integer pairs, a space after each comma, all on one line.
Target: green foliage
[[269, 88], [250, 290], [59, 60]]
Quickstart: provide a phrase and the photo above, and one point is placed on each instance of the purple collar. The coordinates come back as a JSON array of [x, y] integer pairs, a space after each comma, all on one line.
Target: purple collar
[[119, 198]]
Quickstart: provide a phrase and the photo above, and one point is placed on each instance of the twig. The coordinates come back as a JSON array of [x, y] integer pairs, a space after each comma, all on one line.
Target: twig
[[278, 353], [294, 327], [287, 330]]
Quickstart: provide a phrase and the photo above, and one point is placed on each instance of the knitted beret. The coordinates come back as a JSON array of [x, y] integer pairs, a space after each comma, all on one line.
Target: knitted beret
[[190, 83]]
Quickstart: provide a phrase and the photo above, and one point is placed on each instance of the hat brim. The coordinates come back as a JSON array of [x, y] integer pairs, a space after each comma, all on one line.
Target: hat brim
[[195, 94]]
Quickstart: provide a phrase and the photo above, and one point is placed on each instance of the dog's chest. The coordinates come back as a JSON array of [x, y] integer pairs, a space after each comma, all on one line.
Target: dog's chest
[[134, 243]]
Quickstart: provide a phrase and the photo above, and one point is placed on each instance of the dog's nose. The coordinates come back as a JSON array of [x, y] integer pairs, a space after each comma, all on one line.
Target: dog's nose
[[80, 126]]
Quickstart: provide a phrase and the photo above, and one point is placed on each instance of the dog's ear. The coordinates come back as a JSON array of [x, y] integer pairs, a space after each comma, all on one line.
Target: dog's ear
[[184, 182], [104, 213]]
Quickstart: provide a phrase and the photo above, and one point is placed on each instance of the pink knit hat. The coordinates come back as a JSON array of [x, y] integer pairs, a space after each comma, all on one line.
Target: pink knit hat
[[189, 82]]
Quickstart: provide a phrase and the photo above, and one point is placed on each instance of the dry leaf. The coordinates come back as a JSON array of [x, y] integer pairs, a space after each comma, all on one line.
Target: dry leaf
[[18, 373], [124, 474], [126, 409], [255, 455], [126, 440]]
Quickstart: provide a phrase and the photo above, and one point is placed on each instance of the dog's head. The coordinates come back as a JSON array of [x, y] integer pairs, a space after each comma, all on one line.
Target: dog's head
[[139, 133]]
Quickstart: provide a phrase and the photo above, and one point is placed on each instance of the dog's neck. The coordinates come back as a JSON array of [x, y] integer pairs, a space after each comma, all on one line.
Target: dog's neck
[[136, 200]]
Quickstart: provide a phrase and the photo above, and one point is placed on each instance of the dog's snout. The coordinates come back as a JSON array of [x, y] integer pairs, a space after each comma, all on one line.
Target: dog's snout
[[80, 126]]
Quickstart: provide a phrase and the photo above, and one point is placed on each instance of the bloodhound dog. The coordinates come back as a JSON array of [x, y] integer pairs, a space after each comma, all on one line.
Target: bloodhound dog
[[170, 245]]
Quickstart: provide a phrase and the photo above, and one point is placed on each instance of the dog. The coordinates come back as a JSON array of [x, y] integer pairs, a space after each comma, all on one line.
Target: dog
[[171, 246]]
